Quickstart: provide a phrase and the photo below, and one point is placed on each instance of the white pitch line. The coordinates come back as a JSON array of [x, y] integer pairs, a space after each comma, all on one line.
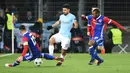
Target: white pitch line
[[6, 55]]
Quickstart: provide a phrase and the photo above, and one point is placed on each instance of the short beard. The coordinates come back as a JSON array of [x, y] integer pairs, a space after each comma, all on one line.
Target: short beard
[[65, 14], [97, 15]]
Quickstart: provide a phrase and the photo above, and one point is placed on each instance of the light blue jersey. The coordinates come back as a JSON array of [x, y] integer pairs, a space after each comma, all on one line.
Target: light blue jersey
[[66, 24]]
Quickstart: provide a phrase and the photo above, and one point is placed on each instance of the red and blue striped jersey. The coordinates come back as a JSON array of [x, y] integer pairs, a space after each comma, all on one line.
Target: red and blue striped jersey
[[97, 25], [33, 47]]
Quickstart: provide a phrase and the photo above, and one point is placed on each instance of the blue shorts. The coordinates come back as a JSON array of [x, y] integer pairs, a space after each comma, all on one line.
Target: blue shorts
[[98, 41]]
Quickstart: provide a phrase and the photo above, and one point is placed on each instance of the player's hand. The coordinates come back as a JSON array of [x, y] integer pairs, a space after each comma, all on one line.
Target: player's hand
[[128, 30], [49, 27], [20, 58], [83, 17], [88, 33]]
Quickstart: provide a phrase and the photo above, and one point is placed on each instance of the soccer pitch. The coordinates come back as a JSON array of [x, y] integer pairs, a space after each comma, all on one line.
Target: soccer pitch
[[74, 63]]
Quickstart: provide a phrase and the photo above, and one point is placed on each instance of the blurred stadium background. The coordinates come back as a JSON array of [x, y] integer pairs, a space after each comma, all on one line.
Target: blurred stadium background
[[49, 11]]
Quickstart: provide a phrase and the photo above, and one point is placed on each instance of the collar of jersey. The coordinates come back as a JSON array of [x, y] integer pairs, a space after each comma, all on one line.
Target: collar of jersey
[[25, 33], [98, 17], [67, 14]]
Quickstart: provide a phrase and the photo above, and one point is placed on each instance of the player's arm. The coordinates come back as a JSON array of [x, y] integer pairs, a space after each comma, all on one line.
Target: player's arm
[[54, 25], [84, 17], [25, 49], [110, 21], [25, 46], [89, 28], [75, 24]]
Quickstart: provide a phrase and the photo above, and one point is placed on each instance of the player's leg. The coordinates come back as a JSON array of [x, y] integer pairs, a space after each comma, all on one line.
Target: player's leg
[[55, 38], [65, 43], [92, 49], [100, 45], [27, 57], [91, 42], [47, 56], [63, 54], [51, 45], [98, 58], [102, 49], [50, 57]]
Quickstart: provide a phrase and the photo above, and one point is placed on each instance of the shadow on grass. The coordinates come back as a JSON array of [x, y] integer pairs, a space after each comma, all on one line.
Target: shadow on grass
[[46, 66]]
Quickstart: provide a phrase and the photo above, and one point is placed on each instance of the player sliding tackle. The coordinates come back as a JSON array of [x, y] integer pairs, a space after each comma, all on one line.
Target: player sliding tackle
[[96, 23], [66, 21], [29, 44]]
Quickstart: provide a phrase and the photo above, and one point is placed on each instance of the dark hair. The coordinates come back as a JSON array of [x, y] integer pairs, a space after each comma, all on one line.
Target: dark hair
[[22, 27], [97, 11], [66, 6]]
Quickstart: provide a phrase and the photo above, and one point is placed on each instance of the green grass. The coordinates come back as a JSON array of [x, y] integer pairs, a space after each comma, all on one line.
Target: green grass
[[74, 63]]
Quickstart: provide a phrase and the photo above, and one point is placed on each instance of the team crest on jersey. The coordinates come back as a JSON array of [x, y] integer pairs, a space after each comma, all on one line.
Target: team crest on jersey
[[100, 20]]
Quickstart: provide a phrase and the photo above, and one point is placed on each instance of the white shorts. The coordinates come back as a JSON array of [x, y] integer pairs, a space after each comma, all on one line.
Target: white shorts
[[65, 42]]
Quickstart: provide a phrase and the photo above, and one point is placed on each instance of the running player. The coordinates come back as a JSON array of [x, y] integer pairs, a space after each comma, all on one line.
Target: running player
[[66, 21], [30, 44], [96, 24], [89, 30]]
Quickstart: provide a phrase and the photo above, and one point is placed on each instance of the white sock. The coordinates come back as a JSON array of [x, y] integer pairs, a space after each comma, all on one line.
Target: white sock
[[61, 56], [51, 49]]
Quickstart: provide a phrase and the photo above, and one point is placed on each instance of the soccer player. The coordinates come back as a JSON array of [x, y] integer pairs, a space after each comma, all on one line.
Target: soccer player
[[88, 32], [30, 44], [96, 23], [66, 21]]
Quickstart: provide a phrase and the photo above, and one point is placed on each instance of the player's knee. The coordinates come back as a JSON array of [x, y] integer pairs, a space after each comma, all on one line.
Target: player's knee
[[100, 47], [51, 41], [91, 42]]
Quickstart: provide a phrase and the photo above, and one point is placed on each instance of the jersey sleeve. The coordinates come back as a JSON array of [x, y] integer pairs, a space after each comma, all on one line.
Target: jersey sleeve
[[89, 17], [110, 21], [25, 41], [89, 29], [74, 19], [89, 23], [107, 20], [60, 18], [25, 45]]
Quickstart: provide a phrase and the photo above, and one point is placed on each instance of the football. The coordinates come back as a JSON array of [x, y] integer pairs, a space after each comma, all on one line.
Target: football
[[38, 61]]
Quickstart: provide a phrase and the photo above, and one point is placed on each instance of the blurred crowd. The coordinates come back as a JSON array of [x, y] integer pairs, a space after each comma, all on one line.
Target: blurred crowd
[[78, 45], [38, 29]]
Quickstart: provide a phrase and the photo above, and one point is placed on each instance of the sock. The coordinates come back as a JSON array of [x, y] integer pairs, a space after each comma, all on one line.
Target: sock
[[103, 51], [51, 49], [97, 57], [48, 57], [61, 56], [15, 63], [91, 51]]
